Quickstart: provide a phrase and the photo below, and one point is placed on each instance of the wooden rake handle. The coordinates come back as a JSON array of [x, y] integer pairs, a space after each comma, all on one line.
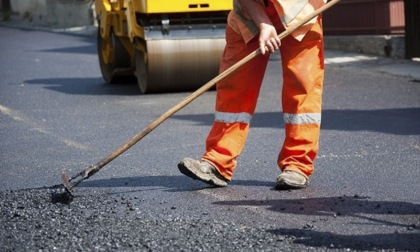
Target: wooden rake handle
[[69, 183]]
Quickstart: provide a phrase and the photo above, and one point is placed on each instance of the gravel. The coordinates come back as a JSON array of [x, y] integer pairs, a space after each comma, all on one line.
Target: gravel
[[35, 220], [42, 220]]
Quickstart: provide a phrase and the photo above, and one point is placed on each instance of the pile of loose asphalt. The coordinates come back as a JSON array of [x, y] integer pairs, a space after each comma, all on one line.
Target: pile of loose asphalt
[[43, 220]]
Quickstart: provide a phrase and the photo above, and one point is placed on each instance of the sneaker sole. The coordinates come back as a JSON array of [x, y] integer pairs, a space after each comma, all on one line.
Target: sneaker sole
[[284, 185], [197, 175]]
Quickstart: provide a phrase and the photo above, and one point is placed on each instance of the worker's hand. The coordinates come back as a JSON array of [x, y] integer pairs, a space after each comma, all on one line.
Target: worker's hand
[[268, 38]]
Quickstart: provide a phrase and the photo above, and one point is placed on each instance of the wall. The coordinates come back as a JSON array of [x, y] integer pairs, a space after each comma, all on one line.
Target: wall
[[382, 45], [365, 17], [55, 13]]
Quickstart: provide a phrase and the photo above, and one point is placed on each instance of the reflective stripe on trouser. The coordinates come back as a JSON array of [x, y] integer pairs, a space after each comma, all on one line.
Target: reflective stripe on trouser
[[238, 93], [303, 77]]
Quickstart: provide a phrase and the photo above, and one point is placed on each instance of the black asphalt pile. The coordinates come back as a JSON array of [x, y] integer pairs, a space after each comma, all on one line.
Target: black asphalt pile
[[99, 220], [33, 220]]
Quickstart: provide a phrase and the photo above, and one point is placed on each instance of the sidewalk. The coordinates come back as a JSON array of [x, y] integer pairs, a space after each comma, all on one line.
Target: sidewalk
[[400, 67]]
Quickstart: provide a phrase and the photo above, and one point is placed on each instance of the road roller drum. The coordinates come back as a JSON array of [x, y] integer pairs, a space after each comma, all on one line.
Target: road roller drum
[[165, 45]]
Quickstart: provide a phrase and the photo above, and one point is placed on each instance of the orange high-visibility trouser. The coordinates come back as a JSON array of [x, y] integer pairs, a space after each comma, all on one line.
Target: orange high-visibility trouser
[[303, 73]]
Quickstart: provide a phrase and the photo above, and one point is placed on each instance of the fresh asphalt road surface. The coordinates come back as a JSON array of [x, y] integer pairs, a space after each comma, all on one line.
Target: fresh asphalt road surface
[[56, 113]]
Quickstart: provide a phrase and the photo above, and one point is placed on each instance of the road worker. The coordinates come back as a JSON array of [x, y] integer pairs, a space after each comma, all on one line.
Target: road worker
[[255, 24]]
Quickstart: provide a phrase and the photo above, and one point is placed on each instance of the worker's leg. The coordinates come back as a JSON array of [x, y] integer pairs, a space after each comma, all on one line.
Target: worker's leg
[[235, 104], [303, 73]]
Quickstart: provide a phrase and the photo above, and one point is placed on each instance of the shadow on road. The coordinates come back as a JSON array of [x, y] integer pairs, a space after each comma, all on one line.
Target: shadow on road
[[173, 183], [363, 242], [362, 210], [399, 121], [88, 49], [329, 206], [87, 86]]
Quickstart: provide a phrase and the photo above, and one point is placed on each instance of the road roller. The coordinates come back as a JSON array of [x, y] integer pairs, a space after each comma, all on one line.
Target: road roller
[[164, 45]]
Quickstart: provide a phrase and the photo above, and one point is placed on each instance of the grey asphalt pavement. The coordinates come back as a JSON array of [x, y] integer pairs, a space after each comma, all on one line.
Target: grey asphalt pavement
[[56, 114]]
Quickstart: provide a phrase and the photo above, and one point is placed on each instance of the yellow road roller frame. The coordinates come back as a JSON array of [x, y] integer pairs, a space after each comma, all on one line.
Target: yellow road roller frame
[[134, 34], [167, 6]]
